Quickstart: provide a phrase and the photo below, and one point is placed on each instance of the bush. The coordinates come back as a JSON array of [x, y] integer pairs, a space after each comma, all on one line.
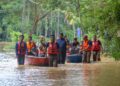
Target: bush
[[14, 36], [116, 55], [114, 48]]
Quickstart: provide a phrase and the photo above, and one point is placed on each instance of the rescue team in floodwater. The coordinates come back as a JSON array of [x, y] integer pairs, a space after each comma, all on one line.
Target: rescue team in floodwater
[[58, 50]]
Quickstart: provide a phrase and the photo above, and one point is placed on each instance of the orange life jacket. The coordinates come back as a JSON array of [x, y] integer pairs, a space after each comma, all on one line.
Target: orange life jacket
[[86, 46], [21, 48], [95, 46], [30, 45], [52, 49]]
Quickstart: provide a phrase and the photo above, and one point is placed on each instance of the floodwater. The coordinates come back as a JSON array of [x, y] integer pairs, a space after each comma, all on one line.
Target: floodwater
[[94, 74]]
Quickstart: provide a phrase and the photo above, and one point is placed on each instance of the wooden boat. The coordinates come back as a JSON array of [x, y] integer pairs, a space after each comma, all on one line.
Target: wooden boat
[[74, 58], [35, 60]]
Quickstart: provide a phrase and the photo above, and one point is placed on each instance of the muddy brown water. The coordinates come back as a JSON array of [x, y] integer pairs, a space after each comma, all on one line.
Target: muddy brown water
[[94, 74]]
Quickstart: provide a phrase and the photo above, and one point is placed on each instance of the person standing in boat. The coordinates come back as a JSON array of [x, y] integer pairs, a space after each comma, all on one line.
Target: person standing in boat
[[21, 48], [96, 48], [75, 46], [62, 49], [42, 50], [52, 51], [66, 39], [31, 47], [68, 46], [42, 47]]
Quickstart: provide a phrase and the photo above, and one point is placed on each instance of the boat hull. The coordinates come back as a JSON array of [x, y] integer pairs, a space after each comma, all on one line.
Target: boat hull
[[75, 58], [37, 61]]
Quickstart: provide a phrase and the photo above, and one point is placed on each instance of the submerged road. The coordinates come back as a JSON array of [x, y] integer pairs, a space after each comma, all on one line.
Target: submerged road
[[95, 74]]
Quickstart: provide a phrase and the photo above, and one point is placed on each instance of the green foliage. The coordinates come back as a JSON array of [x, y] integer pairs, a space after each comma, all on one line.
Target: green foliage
[[14, 36], [115, 48], [92, 16], [116, 55]]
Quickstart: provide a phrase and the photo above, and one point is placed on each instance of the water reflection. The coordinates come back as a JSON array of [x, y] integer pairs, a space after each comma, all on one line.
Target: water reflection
[[95, 74], [106, 75], [57, 76]]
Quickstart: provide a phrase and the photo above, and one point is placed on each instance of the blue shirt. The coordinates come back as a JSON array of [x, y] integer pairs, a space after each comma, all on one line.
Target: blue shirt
[[62, 44]]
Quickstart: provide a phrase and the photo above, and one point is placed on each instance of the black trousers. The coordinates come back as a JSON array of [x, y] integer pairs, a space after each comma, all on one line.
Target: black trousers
[[53, 60], [62, 57], [86, 56], [96, 56]]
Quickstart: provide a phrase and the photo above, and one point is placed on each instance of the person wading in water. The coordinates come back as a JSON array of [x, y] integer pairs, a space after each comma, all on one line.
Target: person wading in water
[[86, 48], [96, 48], [21, 50], [62, 49], [52, 51]]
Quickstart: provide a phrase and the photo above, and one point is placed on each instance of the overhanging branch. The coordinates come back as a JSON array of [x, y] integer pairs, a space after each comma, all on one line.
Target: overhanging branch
[[37, 19]]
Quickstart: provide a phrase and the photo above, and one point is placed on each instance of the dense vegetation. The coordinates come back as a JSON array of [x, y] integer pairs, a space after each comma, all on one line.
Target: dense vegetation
[[101, 17]]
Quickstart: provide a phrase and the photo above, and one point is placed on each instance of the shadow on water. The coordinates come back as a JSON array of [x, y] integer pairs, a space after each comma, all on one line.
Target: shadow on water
[[95, 74]]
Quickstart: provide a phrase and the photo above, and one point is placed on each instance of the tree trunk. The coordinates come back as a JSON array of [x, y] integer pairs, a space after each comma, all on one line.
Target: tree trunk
[[36, 19], [58, 23], [46, 26], [28, 12], [74, 31], [23, 16], [51, 24]]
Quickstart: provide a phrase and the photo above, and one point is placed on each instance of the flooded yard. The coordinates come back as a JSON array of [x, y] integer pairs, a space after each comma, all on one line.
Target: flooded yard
[[94, 74]]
